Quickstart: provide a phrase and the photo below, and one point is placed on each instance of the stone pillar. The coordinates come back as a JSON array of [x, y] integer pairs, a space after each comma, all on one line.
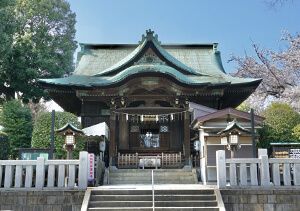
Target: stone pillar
[[83, 170], [112, 139], [187, 139], [221, 168], [123, 133]]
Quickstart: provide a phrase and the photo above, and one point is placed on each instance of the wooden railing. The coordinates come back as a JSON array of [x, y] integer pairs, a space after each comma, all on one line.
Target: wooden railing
[[41, 173], [128, 160], [260, 171], [163, 160]]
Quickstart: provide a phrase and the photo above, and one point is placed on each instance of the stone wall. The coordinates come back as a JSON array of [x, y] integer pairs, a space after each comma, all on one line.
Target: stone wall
[[22, 200], [261, 199]]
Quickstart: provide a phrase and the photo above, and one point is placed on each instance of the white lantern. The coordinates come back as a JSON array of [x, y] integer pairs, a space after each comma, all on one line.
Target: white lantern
[[70, 140], [233, 139]]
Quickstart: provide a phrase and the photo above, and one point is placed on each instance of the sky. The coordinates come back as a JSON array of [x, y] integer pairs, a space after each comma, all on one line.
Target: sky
[[234, 24]]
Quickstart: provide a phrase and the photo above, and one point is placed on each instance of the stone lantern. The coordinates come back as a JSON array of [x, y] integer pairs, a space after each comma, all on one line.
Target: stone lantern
[[230, 136], [69, 131]]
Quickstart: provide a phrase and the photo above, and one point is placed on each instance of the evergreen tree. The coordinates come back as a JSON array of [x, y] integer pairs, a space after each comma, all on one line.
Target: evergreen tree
[[279, 124], [17, 122], [37, 40]]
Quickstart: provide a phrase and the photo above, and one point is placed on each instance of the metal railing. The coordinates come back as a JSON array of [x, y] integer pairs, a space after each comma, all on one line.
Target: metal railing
[[153, 198]]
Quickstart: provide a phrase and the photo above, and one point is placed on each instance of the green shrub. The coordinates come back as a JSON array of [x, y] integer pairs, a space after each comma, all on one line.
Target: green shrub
[[296, 132], [41, 135], [17, 122]]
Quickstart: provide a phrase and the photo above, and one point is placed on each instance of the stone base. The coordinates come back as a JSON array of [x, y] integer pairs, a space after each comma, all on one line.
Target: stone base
[[19, 200], [261, 199]]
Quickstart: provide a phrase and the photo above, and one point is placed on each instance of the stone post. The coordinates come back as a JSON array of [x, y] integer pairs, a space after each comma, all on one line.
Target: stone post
[[262, 152], [8, 176], [83, 170], [40, 173], [221, 168], [264, 171]]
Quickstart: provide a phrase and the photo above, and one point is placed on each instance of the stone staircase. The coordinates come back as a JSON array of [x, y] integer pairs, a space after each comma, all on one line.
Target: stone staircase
[[141, 199], [161, 176]]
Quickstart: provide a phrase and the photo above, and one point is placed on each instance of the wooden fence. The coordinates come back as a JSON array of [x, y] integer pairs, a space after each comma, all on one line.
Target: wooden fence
[[163, 160], [44, 174], [262, 171]]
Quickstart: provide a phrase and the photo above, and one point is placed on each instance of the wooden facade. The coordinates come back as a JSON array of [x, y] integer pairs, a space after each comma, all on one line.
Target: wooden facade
[[133, 116]]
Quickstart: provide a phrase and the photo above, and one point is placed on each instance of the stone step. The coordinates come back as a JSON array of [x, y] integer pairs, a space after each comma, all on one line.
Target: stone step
[[156, 208], [121, 192], [137, 199], [125, 175], [149, 197], [150, 170], [149, 175], [187, 203], [150, 179], [141, 171], [186, 181], [149, 192]]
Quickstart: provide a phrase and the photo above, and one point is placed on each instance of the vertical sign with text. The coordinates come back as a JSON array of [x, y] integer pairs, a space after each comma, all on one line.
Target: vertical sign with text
[[91, 159]]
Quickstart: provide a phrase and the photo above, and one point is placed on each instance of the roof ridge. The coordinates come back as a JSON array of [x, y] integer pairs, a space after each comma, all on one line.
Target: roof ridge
[[141, 50]]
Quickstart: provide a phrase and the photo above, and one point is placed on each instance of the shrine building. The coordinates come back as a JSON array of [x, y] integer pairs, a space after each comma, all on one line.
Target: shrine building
[[152, 96]]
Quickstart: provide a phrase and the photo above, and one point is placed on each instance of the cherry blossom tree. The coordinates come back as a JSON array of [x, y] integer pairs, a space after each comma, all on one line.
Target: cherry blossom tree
[[280, 72]]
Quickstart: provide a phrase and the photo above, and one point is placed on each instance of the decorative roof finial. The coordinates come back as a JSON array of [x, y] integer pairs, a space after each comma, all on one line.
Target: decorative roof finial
[[149, 36], [215, 47]]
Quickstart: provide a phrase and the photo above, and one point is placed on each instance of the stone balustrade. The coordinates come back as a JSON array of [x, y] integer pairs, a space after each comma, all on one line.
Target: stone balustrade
[[262, 171], [44, 174]]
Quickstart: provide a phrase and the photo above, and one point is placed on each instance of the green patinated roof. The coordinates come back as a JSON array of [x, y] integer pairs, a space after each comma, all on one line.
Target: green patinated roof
[[94, 81], [69, 126], [132, 56], [187, 64]]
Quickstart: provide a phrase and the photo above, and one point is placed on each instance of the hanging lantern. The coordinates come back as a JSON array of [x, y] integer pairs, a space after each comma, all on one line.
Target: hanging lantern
[[126, 117], [142, 118], [172, 117], [156, 118]]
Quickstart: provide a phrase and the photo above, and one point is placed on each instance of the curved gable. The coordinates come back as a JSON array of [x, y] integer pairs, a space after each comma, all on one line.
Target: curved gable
[[149, 51]]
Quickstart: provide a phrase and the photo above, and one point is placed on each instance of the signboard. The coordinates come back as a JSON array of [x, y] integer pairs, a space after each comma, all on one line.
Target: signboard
[[91, 170], [294, 153]]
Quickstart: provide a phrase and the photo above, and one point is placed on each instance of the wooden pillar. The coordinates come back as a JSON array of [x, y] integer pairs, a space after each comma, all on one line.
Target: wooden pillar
[[203, 153], [187, 139], [123, 133], [112, 139]]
